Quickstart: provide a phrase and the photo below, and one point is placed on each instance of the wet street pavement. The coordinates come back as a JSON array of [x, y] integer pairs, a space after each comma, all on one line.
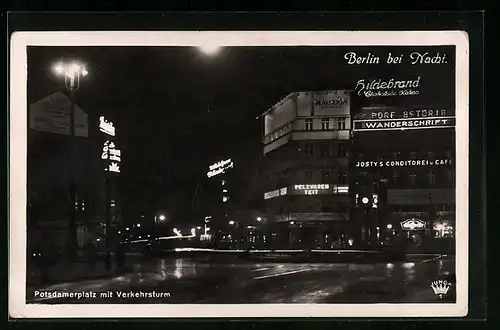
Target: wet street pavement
[[184, 280]]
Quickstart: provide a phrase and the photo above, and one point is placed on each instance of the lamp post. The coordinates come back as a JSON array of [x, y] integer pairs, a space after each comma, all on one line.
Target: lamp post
[[71, 73]]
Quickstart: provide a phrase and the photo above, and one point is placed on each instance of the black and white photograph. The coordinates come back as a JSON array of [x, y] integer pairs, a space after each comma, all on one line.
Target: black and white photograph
[[239, 174]]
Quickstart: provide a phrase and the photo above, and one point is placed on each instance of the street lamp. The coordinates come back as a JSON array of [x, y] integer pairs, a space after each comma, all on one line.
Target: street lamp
[[161, 217], [231, 222], [259, 219], [389, 226], [209, 49], [72, 72]]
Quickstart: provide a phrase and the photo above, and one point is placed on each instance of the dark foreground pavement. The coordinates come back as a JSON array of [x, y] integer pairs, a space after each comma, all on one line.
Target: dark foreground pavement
[[183, 280]]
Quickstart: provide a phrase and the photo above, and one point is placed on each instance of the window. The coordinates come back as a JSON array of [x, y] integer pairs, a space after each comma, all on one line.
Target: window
[[309, 124], [342, 150], [449, 154], [341, 123], [361, 157], [309, 174], [430, 154], [432, 177], [395, 155], [342, 178], [325, 123], [309, 150], [413, 155], [413, 179], [325, 175], [324, 150]]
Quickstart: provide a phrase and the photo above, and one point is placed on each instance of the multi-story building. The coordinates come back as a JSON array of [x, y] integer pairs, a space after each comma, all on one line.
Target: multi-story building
[[305, 168], [402, 167]]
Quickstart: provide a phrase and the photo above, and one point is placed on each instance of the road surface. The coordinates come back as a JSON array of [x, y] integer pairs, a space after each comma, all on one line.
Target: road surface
[[183, 280]]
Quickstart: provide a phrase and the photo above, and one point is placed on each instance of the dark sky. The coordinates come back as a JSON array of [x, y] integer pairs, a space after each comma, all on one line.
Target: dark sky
[[177, 110]]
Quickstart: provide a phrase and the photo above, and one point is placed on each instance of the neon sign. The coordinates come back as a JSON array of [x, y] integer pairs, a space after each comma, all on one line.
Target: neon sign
[[106, 127], [404, 163], [276, 193], [109, 152], [220, 167], [403, 124], [413, 224]]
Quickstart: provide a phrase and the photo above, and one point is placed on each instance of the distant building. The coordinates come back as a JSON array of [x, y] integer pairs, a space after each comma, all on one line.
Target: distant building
[[305, 168], [402, 167]]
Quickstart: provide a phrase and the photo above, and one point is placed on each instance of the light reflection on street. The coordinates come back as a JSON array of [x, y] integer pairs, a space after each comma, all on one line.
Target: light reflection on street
[[190, 280]]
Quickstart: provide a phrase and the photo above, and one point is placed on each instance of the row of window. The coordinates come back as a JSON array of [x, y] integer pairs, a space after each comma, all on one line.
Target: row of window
[[325, 149], [423, 208], [413, 178], [327, 176], [339, 123], [448, 154]]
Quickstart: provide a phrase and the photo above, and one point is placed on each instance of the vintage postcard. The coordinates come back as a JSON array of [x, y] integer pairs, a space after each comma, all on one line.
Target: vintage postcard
[[239, 174]]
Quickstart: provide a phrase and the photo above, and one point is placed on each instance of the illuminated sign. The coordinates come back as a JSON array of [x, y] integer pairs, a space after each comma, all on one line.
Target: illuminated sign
[[390, 87], [330, 103], [106, 127], [276, 193], [365, 200], [413, 224], [308, 189], [220, 167], [404, 163], [109, 152], [374, 113], [319, 189], [403, 124], [323, 216]]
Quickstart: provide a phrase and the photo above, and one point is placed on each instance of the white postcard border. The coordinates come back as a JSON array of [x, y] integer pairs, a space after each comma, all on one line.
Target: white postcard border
[[18, 181]]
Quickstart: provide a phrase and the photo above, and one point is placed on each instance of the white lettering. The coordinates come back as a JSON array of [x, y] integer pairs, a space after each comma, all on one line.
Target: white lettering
[[106, 127]]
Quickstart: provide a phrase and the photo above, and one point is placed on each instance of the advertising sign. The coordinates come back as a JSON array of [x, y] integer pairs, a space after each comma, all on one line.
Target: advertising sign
[[331, 103], [106, 127], [276, 193], [403, 163], [52, 115], [413, 224], [220, 167], [318, 189], [403, 124], [379, 119], [113, 155], [320, 216]]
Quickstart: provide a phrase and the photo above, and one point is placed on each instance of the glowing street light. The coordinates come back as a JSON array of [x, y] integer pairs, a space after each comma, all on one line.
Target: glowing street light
[[259, 219], [231, 222], [209, 49], [161, 217], [127, 228], [138, 225], [72, 72], [389, 226]]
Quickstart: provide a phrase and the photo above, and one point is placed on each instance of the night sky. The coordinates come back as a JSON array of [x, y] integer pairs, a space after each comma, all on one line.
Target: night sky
[[177, 110]]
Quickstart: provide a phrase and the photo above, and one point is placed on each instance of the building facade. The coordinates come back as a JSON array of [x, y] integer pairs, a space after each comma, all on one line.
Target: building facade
[[402, 169], [305, 168]]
